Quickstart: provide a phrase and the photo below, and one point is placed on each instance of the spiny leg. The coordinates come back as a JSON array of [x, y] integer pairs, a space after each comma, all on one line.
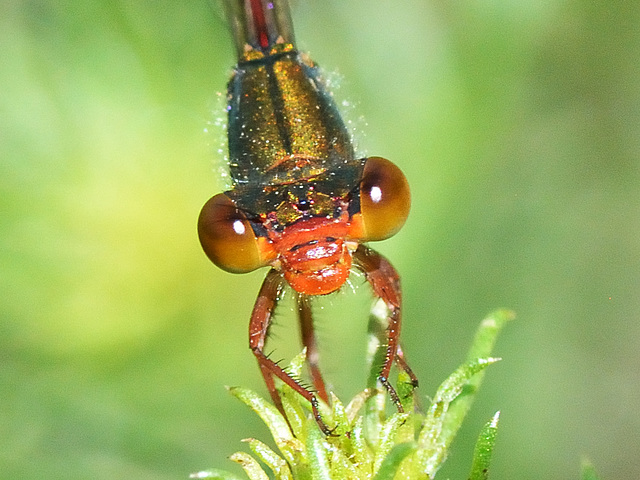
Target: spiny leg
[[309, 341], [402, 364], [413, 380], [258, 330], [385, 282]]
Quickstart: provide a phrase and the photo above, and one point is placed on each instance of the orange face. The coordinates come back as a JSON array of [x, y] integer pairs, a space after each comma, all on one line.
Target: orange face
[[314, 253]]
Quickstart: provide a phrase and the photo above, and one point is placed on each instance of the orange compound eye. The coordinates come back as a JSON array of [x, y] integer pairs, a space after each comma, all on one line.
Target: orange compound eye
[[384, 199], [227, 237]]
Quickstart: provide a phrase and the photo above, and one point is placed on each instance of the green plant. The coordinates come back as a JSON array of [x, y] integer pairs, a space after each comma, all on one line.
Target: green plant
[[366, 441]]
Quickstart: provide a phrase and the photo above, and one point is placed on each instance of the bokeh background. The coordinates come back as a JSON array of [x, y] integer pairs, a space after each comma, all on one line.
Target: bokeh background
[[517, 124]]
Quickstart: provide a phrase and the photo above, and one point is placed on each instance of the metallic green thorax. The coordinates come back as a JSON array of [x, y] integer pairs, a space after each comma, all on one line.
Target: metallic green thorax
[[289, 149]]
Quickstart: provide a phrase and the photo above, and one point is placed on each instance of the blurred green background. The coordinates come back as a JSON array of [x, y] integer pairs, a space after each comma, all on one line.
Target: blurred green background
[[517, 123]]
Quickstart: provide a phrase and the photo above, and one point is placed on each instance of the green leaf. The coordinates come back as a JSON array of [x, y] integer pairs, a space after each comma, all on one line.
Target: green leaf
[[487, 333], [271, 459], [267, 412], [215, 474], [588, 471], [250, 465], [482, 347], [293, 409], [317, 450], [367, 442], [405, 390], [339, 416], [361, 452], [391, 463], [355, 406], [374, 415], [290, 447], [297, 364], [438, 431], [386, 440], [484, 449]]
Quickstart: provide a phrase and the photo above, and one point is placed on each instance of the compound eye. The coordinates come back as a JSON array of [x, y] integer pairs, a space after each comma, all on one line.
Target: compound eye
[[227, 237], [384, 199]]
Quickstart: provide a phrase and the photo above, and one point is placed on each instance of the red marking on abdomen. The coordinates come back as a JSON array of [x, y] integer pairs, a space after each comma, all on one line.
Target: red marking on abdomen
[[260, 23]]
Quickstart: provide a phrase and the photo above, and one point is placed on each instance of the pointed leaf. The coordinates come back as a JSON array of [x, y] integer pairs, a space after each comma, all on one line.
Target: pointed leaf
[[482, 347], [339, 416], [461, 378], [361, 450], [588, 471], [438, 431], [297, 364], [391, 463], [386, 440], [267, 412], [290, 447], [317, 449], [406, 391], [250, 465], [215, 474], [374, 414], [293, 409], [354, 407], [270, 458], [487, 334], [484, 449]]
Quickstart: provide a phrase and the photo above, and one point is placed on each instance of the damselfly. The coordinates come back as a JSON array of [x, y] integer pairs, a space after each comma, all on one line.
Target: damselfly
[[301, 201]]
